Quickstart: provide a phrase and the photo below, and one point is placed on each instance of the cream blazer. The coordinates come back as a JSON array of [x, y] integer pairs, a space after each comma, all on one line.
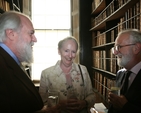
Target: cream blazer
[[53, 77]]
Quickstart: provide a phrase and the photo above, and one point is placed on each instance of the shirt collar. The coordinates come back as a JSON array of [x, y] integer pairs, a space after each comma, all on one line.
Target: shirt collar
[[58, 68], [136, 68], [7, 49]]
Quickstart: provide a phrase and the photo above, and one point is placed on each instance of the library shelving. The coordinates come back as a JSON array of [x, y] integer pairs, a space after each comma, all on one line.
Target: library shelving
[[17, 5], [108, 18], [6, 5]]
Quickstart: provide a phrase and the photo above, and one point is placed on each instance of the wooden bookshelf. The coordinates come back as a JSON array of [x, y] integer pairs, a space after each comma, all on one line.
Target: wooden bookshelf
[[4, 6], [108, 18], [17, 5]]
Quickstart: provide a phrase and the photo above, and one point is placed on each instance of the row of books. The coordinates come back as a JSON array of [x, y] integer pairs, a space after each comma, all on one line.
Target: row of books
[[109, 10], [95, 4], [99, 18], [120, 3], [99, 38], [102, 84], [4, 5], [101, 61], [131, 19]]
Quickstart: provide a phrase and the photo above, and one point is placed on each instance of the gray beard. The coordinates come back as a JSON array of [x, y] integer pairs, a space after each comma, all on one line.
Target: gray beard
[[25, 53]]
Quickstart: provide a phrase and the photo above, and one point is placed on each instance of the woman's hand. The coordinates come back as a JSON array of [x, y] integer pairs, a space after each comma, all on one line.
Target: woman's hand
[[72, 105]]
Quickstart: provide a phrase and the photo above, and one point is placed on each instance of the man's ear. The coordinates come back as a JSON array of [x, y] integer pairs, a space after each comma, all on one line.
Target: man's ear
[[9, 34], [137, 48]]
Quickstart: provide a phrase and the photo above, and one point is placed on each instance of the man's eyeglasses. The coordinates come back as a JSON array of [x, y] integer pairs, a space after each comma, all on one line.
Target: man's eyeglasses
[[117, 47]]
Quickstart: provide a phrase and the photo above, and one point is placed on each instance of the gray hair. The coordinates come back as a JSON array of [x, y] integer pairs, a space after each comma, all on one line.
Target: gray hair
[[60, 44], [9, 20], [135, 35]]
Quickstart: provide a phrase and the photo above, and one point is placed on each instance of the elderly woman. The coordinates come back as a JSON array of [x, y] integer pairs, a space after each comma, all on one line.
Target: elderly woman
[[66, 75]]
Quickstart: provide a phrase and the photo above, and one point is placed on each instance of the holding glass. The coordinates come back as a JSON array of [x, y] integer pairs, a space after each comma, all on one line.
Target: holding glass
[[115, 88], [71, 93], [53, 97]]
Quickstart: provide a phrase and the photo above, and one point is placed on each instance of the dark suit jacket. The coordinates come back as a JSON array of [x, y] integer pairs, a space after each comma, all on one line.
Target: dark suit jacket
[[133, 95], [17, 92]]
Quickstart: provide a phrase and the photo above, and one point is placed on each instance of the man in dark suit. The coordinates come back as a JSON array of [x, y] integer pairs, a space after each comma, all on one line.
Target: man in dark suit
[[17, 92], [128, 52]]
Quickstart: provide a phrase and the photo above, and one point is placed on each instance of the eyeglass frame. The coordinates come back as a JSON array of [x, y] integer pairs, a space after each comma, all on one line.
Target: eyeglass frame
[[117, 47]]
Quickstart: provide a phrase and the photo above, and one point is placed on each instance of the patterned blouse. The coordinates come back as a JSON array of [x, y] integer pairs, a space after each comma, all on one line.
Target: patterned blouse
[[54, 78]]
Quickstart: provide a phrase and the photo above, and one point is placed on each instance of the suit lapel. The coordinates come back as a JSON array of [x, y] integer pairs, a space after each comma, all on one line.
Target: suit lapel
[[18, 72], [135, 83]]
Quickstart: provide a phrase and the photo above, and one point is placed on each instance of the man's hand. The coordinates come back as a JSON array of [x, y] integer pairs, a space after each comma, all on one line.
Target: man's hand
[[117, 101]]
